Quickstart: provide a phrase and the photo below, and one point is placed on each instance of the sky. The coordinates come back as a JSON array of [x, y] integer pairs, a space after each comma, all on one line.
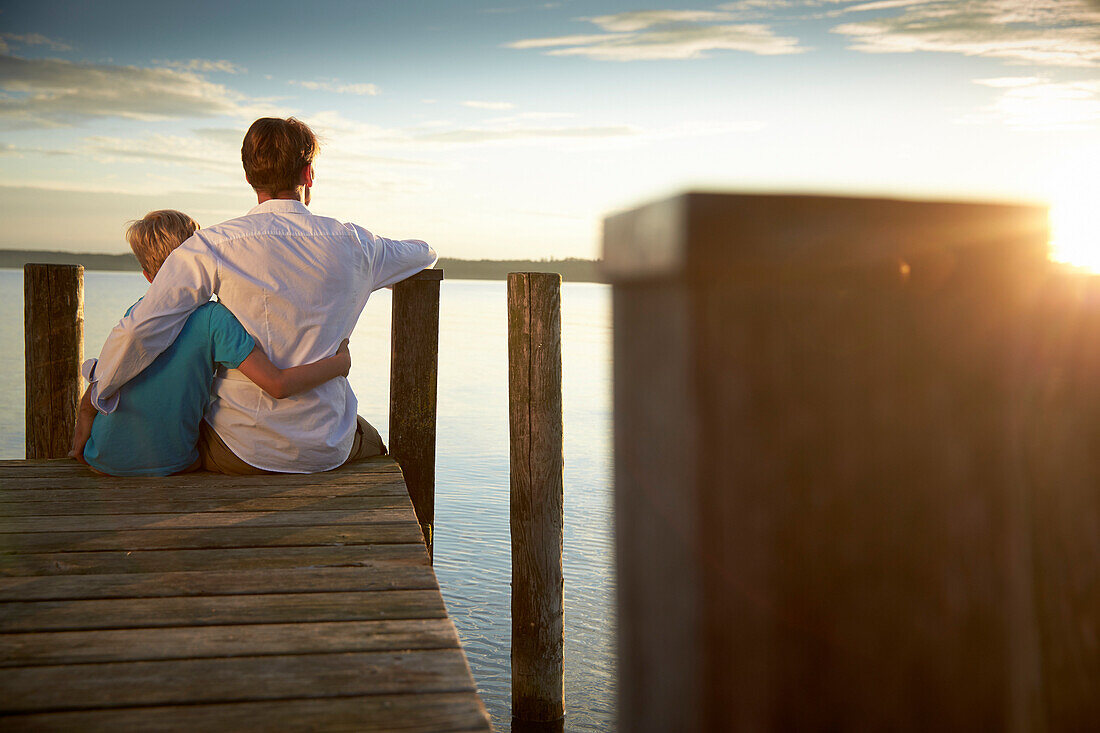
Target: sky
[[502, 129]]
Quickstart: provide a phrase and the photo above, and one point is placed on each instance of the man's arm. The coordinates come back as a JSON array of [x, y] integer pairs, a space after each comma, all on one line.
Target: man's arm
[[281, 383], [393, 260], [185, 281]]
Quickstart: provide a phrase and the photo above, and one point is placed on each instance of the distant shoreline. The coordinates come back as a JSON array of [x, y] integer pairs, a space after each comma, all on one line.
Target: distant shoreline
[[571, 270]]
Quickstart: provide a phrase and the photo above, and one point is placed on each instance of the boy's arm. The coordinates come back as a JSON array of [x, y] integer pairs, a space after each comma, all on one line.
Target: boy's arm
[[84, 416], [281, 383], [185, 281]]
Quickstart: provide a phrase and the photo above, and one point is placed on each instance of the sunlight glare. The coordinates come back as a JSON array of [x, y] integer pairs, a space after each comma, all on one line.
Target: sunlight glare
[[1075, 218]]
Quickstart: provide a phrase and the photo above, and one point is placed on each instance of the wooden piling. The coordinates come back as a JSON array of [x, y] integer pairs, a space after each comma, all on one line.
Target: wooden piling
[[414, 359], [824, 512], [53, 319], [535, 422]]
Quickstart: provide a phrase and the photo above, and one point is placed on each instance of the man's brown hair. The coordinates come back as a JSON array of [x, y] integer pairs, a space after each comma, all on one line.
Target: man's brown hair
[[156, 235], [274, 153]]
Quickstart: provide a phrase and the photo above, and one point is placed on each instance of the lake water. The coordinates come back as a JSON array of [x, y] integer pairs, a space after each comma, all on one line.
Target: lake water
[[472, 545]]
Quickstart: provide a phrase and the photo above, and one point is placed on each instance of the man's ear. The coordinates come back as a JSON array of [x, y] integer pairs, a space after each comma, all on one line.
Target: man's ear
[[306, 177], [147, 275]]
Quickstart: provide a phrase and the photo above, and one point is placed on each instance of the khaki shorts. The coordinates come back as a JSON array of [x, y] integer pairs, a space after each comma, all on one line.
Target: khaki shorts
[[216, 456]]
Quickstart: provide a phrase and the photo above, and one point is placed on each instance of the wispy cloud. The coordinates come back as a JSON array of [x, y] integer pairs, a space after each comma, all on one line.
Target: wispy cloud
[[768, 10], [509, 133], [20, 151], [197, 152], [53, 92], [640, 20], [337, 87], [523, 117], [1008, 82], [518, 8], [739, 5], [665, 34], [7, 40], [343, 137], [874, 5], [1047, 32], [523, 129], [1033, 103], [211, 155], [204, 66], [488, 105]]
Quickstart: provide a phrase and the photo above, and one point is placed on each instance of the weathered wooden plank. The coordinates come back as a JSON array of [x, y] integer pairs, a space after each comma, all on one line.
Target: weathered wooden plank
[[188, 642], [235, 536], [425, 713], [38, 463], [119, 506], [31, 489], [383, 576], [372, 471], [219, 610], [271, 608], [53, 328], [66, 467], [162, 561], [124, 684], [167, 520]]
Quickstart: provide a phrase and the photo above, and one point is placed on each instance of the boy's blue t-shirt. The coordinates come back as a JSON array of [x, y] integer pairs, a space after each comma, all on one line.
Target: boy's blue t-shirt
[[154, 431]]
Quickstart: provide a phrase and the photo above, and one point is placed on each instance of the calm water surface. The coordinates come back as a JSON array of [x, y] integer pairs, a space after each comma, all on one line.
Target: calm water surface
[[472, 551]]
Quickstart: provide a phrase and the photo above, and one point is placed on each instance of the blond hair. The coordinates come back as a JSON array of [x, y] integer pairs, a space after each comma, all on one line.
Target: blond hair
[[155, 235]]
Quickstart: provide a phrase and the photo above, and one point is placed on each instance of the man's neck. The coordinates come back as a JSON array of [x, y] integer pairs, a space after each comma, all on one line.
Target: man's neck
[[262, 196]]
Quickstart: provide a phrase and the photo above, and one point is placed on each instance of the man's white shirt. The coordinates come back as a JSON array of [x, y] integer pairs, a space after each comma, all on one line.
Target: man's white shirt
[[297, 283]]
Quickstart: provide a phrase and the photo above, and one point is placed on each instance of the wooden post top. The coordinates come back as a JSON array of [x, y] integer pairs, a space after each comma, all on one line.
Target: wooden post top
[[718, 235], [55, 266], [431, 274]]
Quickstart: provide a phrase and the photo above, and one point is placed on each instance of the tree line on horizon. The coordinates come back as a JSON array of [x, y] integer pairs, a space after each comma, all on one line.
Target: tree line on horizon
[[571, 269]]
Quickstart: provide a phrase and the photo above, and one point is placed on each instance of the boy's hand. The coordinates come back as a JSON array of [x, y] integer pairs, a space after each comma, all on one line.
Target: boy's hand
[[343, 357], [84, 417]]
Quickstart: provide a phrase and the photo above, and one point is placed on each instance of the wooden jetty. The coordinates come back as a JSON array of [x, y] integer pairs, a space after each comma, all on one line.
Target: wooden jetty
[[209, 602], [206, 602]]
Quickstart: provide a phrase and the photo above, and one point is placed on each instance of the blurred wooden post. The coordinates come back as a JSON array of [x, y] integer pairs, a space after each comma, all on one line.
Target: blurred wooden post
[[1057, 412], [53, 319], [535, 421], [821, 510], [414, 362]]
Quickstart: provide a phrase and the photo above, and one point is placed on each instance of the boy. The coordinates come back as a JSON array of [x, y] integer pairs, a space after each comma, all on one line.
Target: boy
[[155, 429]]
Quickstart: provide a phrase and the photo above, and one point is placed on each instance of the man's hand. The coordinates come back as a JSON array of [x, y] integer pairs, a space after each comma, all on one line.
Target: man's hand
[[84, 418], [343, 356]]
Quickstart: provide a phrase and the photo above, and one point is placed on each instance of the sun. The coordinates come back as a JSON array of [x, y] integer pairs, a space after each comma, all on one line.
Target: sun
[[1075, 215], [1075, 230]]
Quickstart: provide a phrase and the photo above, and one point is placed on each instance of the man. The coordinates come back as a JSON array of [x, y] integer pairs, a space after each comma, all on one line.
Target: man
[[297, 283]]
